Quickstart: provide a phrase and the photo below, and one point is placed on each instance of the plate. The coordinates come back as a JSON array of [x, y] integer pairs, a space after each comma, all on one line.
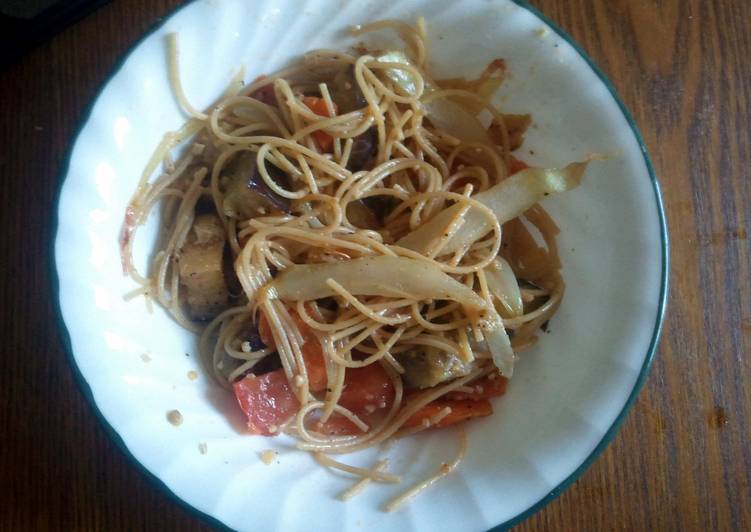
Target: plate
[[570, 392]]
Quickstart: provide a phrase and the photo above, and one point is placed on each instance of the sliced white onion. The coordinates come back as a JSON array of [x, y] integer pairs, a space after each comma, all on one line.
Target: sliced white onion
[[502, 284], [374, 276], [499, 345], [403, 78], [456, 120], [442, 112], [508, 199]]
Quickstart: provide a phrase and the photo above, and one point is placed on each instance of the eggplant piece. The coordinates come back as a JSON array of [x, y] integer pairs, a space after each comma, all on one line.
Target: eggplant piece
[[234, 287], [361, 216], [251, 335], [364, 148], [208, 230], [205, 205], [381, 205], [265, 94], [370, 212], [201, 268], [204, 148], [247, 194], [267, 364], [346, 93], [425, 367]]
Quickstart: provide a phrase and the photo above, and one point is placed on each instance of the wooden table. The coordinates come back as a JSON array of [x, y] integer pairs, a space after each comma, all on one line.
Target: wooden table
[[682, 460]]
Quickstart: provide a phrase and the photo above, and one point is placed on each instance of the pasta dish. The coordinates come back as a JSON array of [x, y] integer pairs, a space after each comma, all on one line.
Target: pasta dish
[[360, 251]]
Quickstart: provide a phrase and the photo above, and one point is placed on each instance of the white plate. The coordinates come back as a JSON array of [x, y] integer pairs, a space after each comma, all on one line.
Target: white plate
[[569, 394]]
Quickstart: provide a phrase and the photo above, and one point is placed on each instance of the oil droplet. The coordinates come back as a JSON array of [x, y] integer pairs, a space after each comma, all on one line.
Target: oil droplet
[[717, 418]]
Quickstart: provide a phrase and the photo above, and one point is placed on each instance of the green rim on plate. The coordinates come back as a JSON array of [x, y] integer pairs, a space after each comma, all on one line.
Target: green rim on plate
[[662, 303], [609, 435]]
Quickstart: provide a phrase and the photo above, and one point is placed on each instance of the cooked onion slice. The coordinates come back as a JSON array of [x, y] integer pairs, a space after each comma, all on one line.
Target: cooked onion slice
[[508, 199], [451, 117], [499, 346], [502, 284], [374, 276]]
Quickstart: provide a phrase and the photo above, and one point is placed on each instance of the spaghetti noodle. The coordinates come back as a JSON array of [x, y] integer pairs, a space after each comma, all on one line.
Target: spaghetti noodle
[[351, 238]]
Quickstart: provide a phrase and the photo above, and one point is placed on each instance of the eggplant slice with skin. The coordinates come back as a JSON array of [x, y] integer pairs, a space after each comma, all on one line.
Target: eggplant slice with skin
[[201, 269], [246, 193]]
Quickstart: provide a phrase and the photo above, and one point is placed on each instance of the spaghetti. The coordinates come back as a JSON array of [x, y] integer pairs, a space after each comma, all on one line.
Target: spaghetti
[[351, 238]]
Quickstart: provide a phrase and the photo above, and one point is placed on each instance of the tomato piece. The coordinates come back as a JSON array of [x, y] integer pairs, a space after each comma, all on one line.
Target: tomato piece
[[318, 106], [311, 350], [367, 386], [312, 353], [266, 400], [265, 94], [264, 331], [324, 140], [368, 393], [338, 425], [485, 388], [461, 410], [517, 165]]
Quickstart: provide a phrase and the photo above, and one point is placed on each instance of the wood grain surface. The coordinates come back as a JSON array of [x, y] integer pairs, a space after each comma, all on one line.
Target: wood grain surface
[[682, 460]]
